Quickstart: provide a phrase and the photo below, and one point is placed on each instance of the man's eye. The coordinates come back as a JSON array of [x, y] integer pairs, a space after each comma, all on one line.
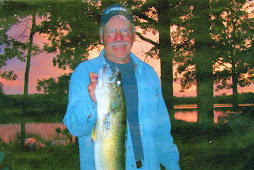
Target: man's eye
[[111, 31], [124, 30]]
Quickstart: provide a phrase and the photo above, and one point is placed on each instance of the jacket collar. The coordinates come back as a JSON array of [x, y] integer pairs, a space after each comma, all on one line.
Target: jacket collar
[[138, 64]]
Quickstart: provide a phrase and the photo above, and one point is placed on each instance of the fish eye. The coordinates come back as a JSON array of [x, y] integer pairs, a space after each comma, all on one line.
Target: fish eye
[[118, 83]]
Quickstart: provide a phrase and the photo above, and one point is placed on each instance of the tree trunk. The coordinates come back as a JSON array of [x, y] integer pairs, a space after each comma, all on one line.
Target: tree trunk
[[235, 82], [26, 78], [204, 88], [166, 55], [204, 64], [29, 54]]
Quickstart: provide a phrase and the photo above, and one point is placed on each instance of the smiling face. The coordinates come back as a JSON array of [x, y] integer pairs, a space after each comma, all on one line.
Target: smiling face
[[118, 37]]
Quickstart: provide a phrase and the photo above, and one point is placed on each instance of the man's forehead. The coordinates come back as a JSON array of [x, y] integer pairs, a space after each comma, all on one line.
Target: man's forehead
[[121, 17]]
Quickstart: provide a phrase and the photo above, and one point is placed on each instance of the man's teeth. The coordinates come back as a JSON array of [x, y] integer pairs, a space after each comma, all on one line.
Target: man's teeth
[[119, 46]]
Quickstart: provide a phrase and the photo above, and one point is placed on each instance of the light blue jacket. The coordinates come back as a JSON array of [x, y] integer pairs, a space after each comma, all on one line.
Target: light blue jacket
[[153, 117]]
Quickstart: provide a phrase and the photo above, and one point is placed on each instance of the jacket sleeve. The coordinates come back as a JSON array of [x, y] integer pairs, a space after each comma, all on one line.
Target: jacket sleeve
[[81, 110], [167, 150]]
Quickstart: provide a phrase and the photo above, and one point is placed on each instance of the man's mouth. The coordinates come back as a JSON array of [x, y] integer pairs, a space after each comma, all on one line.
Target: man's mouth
[[119, 44]]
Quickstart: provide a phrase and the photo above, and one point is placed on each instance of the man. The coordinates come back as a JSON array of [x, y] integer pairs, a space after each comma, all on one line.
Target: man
[[149, 142]]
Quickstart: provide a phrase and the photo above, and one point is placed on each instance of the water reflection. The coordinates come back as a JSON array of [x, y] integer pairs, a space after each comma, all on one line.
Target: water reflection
[[189, 113], [192, 115], [8, 132]]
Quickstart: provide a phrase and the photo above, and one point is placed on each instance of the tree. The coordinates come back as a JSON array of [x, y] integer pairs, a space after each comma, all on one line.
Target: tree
[[160, 16], [194, 57], [71, 34], [20, 46], [7, 19], [236, 40], [205, 42], [166, 52]]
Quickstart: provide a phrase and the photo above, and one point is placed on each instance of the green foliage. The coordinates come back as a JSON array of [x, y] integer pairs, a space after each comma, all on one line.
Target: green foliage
[[73, 34], [231, 36], [65, 132], [54, 87], [234, 44], [10, 116], [40, 108], [62, 157], [223, 99], [185, 100], [1, 90], [243, 98], [17, 45], [246, 98], [8, 75]]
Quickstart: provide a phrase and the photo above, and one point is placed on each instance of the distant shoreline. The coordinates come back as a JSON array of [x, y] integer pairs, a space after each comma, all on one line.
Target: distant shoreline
[[194, 106]]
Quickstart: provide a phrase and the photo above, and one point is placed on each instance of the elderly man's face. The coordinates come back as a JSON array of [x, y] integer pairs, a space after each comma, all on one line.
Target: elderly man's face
[[118, 38]]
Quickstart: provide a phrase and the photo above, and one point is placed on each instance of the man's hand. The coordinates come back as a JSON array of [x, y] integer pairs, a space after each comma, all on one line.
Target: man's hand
[[91, 87]]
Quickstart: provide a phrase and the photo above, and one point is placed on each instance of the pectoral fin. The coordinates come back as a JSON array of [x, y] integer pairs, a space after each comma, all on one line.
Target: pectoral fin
[[95, 130]]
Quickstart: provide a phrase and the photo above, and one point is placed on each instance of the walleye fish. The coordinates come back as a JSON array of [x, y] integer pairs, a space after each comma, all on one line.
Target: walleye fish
[[109, 132]]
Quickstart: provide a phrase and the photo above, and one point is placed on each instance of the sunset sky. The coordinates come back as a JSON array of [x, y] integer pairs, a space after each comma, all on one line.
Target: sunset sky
[[42, 67]]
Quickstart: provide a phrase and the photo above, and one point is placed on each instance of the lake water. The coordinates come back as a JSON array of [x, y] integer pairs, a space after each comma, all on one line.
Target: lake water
[[47, 131], [192, 116], [189, 113]]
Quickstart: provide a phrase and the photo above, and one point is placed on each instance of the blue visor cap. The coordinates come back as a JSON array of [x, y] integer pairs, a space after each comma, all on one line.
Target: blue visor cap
[[116, 9]]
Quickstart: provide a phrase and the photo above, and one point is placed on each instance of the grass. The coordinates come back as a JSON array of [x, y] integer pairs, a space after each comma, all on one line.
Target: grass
[[62, 157], [57, 157], [13, 115], [218, 147]]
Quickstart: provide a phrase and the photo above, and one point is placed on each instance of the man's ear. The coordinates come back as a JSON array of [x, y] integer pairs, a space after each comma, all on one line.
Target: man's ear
[[101, 38]]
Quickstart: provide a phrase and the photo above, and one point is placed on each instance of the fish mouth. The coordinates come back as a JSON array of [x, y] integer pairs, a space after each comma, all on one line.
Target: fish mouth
[[115, 73], [112, 76]]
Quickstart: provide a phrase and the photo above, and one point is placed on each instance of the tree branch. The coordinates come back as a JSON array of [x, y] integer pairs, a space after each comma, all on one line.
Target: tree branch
[[146, 39]]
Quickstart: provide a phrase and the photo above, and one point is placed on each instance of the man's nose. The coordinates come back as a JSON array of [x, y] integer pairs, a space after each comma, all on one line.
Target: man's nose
[[119, 36]]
